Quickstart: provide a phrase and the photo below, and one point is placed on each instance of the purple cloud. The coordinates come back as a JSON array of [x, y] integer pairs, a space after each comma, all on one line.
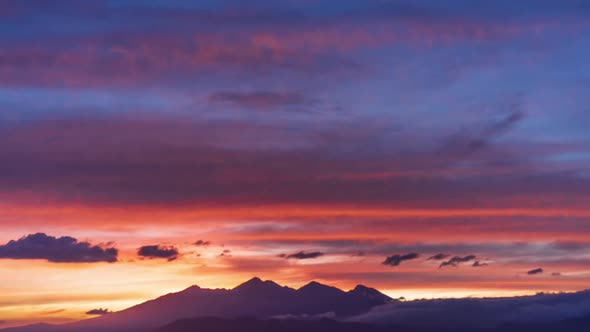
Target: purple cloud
[[98, 312], [438, 257], [157, 251], [457, 260], [64, 249], [396, 260], [305, 255]]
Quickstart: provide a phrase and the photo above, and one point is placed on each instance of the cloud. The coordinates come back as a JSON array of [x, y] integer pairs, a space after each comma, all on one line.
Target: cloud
[[438, 257], [252, 164], [64, 249], [225, 253], [53, 312], [556, 274], [396, 260], [462, 314], [535, 271], [305, 255], [250, 40], [457, 260], [202, 243], [571, 245], [157, 251], [469, 141], [258, 100], [479, 264], [98, 312]]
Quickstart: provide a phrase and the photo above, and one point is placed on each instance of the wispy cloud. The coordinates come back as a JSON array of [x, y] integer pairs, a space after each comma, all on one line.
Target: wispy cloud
[[305, 255], [455, 261], [262, 100]]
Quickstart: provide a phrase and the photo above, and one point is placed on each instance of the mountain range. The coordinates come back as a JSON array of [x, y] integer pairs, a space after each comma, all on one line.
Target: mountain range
[[255, 298], [265, 306]]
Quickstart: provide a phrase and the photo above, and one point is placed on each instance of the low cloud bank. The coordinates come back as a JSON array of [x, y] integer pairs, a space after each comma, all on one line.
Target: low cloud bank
[[480, 313]]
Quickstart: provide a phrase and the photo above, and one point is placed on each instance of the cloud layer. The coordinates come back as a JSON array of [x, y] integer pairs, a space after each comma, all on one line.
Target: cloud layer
[[481, 313]]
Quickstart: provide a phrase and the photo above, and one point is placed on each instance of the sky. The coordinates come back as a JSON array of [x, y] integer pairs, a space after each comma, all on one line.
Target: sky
[[425, 148]]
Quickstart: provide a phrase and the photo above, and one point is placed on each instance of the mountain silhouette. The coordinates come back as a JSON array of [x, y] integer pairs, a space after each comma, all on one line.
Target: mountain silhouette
[[255, 298], [208, 324], [261, 306]]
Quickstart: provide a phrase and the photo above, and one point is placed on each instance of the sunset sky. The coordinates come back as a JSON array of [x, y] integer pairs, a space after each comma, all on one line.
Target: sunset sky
[[426, 148]]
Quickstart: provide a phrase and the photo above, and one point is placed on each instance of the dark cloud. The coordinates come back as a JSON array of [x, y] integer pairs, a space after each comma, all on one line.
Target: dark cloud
[[98, 312], [556, 274], [396, 260], [202, 243], [438, 257], [535, 271], [64, 249], [479, 264], [157, 251], [305, 255], [457, 260], [464, 314], [570, 245], [259, 100], [225, 252]]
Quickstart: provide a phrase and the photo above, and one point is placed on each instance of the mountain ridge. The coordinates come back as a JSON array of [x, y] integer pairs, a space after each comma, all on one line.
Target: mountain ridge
[[324, 311], [256, 298]]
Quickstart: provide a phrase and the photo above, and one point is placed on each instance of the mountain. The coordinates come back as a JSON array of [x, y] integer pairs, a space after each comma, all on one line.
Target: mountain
[[262, 306], [255, 298], [273, 325], [41, 327], [208, 324]]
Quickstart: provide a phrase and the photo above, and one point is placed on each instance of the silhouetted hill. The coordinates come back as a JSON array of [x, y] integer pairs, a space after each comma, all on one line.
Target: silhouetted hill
[[316, 307], [581, 324], [254, 298], [41, 327], [274, 325]]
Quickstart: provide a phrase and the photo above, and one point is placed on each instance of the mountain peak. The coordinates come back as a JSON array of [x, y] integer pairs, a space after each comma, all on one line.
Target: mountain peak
[[257, 284], [254, 281], [315, 286], [362, 288], [312, 284], [370, 293]]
